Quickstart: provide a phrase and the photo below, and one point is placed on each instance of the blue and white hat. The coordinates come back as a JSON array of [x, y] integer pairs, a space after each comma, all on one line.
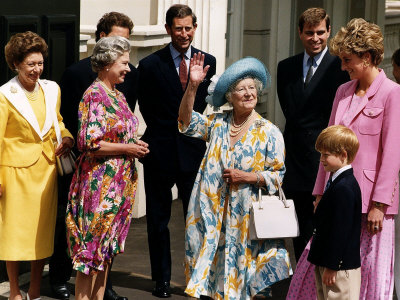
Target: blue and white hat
[[248, 66]]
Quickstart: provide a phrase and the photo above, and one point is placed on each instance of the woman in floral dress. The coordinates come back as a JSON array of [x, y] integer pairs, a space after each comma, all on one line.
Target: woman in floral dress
[[103, 188], [245, 152]]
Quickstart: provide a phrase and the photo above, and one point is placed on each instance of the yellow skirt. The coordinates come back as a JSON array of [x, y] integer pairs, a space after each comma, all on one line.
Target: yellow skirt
[[28, 211]]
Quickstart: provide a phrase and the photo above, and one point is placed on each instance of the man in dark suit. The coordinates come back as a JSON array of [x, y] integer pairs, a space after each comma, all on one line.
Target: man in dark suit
[[74, 82], [306, 85], [335, 248], [173, 158]]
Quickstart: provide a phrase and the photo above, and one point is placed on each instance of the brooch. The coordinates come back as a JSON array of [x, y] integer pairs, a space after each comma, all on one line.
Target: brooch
[[13, 89], [258, 123]]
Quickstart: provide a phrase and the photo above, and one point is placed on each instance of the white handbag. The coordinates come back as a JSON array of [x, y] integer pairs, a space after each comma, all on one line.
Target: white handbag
[[273, 217]]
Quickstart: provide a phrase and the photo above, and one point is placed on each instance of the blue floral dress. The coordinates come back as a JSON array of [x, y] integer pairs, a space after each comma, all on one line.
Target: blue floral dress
[[221, 261]]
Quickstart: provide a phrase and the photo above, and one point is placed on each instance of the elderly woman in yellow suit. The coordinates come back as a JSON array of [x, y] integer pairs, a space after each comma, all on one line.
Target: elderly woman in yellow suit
[[28, 177]]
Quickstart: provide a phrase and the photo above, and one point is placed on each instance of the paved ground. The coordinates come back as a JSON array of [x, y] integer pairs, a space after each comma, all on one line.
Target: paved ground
[[131, 270]]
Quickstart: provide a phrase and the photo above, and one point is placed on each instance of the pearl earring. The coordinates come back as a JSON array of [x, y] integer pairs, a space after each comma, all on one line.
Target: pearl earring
[[107, 69]]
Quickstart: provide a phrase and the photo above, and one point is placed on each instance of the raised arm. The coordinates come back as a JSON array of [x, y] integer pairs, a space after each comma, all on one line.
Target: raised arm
[[197, 75]]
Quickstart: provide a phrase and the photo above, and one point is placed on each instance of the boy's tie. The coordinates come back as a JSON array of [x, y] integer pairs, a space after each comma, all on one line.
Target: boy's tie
[[328, 183]]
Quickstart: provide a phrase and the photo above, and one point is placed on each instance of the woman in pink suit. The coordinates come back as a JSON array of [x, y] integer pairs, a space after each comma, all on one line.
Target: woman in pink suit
[[369, 104]]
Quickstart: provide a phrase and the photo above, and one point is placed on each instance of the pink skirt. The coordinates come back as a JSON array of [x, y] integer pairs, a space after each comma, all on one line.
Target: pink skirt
[[377, 260]]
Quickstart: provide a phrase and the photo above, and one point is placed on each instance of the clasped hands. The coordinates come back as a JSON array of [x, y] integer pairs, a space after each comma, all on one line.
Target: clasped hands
[[137, 150]]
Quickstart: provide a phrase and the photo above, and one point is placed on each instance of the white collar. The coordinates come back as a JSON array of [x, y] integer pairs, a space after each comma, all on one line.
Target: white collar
[[175, 53], [340, 171], [317, 58], [14, 93]]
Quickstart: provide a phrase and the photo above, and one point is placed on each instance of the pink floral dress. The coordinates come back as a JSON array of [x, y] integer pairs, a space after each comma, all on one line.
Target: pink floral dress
[[103, 188]]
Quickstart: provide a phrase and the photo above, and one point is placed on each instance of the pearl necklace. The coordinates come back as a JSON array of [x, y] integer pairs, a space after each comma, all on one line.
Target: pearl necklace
[[110, 91], [235, 129], [33, 96]]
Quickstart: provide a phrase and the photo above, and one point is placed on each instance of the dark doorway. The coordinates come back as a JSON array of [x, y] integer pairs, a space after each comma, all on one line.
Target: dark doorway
[[56, 21]]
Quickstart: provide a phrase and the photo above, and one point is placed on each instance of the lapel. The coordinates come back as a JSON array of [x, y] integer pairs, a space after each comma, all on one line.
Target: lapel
[[50, 95], [341, 175], [344, 104], [16, 96], [167, 68], [321, 70]]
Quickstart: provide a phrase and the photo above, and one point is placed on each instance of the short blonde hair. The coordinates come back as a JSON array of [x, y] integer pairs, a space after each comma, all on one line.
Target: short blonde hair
[[338, 139], [359, 37]]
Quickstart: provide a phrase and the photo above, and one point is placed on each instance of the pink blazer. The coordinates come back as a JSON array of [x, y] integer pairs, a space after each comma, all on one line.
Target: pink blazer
[[376, 123]]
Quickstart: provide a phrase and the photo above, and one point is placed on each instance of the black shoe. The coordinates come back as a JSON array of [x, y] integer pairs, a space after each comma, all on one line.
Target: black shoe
[[60, 291], [162, 289], [110, 294]]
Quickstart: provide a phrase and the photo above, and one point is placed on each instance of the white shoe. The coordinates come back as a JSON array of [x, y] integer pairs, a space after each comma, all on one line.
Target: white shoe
[[29, 298]]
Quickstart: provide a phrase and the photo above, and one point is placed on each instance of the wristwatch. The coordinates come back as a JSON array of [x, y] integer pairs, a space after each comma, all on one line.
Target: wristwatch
[[378, 204]]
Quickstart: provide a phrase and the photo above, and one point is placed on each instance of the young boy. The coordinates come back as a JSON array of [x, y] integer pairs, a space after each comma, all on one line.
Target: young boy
[[335, 248]]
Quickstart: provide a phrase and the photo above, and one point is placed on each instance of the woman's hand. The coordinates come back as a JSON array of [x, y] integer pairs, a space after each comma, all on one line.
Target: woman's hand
[[316, 202], [197, 72], [65, 147], [375, 219], [235, 176], [138, 150]]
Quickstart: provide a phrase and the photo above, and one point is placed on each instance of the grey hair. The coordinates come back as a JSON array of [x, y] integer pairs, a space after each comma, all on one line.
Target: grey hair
[[107, 50], [231, 89]]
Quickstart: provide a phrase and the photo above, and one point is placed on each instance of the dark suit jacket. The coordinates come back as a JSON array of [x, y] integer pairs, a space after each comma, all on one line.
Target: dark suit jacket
[[75, 81], [159, 96], [337, 225], [307, 113]]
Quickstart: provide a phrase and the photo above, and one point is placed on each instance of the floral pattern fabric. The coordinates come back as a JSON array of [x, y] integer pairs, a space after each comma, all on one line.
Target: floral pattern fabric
[[221, 261], [103, 188]]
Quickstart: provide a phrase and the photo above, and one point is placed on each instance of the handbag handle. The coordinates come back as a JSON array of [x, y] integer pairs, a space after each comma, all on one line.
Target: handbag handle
[[282, 196], [57, 127]]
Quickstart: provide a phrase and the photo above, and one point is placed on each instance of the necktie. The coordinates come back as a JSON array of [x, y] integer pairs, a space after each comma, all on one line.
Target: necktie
[[328, 183], [183, 74], [310, 71]]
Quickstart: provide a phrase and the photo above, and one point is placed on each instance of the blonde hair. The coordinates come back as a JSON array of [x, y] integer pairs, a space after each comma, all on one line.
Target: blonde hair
[[338, 139], [359, 37]]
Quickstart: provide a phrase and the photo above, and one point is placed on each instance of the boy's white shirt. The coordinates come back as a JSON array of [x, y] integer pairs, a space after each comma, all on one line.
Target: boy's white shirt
[[340, 171]]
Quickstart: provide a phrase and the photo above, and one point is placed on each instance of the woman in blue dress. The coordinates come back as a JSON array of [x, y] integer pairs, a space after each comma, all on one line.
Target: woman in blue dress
[[245, 152]]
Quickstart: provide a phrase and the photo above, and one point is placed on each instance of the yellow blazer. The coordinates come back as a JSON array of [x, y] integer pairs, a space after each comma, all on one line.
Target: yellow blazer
[[21, 140]]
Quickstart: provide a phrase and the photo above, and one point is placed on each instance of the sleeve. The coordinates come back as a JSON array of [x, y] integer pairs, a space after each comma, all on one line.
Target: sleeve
[[280, 86], [64, 131], [200, 126], [92, 124], [3, 124], [387, 177], [274, 160], [321, 175]]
